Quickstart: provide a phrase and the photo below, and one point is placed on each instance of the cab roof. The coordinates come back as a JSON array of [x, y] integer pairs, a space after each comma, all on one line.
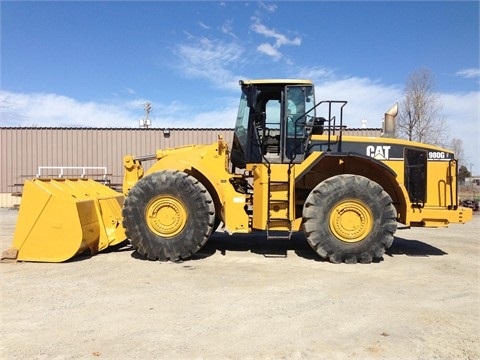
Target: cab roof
[[276, 81]]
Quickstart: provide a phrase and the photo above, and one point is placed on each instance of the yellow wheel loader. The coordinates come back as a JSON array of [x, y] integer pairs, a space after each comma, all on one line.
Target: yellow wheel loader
[[290, 168]]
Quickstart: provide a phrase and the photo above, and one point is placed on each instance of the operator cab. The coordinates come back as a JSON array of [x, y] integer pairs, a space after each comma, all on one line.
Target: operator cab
[[274, 122]]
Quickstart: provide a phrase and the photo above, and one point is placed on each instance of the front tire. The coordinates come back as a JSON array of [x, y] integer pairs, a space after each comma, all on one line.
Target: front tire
[[349, 218], [168, 215]]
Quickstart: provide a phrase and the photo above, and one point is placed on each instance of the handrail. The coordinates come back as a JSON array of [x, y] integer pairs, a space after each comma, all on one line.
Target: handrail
[[62, 168]]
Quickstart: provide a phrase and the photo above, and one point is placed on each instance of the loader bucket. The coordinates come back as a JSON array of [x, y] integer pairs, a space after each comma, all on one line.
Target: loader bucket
[[60, 218]]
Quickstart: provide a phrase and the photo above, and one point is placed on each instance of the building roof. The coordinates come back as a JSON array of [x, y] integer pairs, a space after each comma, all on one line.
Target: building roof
[[106, 128]]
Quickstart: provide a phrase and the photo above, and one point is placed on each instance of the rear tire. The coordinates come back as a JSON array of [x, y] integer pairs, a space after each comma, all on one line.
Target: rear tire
[[168, 215], [349, 218]]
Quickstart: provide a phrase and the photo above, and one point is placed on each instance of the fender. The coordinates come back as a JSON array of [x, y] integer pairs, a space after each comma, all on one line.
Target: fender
[[209, 165], [316, 157], [322, 165]]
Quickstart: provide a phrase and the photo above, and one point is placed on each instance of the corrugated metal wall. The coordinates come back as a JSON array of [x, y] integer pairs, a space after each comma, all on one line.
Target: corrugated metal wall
[[367, 132], [23, 150]]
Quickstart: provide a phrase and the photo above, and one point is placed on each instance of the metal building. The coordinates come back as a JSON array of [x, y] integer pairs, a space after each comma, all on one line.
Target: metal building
[[23, 150]]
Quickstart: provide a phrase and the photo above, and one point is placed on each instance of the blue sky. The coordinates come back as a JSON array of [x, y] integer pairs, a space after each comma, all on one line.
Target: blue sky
[[97, 63]]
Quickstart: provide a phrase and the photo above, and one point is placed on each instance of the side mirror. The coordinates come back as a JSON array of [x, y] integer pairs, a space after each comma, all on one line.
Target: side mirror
[[318, 125]]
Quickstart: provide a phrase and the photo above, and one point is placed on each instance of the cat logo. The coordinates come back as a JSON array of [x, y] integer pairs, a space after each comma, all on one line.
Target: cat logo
[[380, 152]]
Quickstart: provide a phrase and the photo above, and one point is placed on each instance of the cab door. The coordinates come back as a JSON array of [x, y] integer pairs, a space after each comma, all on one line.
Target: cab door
[[297, 113]]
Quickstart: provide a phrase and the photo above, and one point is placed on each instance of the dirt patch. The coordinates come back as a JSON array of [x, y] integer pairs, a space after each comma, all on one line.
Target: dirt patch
[[245, 298]]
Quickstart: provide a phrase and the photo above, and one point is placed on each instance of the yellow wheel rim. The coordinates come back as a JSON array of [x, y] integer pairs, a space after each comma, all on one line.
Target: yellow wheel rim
[[351, 221], [166, 216]]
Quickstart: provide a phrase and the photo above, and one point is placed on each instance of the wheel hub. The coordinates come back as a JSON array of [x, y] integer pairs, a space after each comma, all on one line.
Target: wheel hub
[[166, 216], [351, 221]]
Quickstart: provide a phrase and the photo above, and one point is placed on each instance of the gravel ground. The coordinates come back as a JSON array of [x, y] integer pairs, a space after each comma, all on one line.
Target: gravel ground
[[242, 298]]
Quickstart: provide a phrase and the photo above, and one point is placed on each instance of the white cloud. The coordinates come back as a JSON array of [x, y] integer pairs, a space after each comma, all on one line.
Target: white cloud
[[469, 73], [203, 25], [188, 35], [366, 99], [462, 113], [56, 110], [269, 50], [222, 118], [227, 28], [371, 99], [267, 6], [319, 73], [280, 39], [51, 110], [210, 60]]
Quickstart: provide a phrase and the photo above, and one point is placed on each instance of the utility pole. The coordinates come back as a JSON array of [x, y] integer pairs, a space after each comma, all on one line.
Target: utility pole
[[146, 123]]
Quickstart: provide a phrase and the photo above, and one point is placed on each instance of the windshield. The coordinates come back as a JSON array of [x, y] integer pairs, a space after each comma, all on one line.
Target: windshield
[[241, 125]]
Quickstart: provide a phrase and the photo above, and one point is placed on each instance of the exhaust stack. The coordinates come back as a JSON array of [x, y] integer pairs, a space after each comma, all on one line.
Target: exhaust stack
[[389, 122]]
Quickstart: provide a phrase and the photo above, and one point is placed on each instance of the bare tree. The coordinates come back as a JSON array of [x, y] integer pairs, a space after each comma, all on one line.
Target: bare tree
[[456, 145], [420, 117]]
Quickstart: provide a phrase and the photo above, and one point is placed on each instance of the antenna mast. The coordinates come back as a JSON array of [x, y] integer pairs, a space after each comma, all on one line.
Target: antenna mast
[[146, 123]]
